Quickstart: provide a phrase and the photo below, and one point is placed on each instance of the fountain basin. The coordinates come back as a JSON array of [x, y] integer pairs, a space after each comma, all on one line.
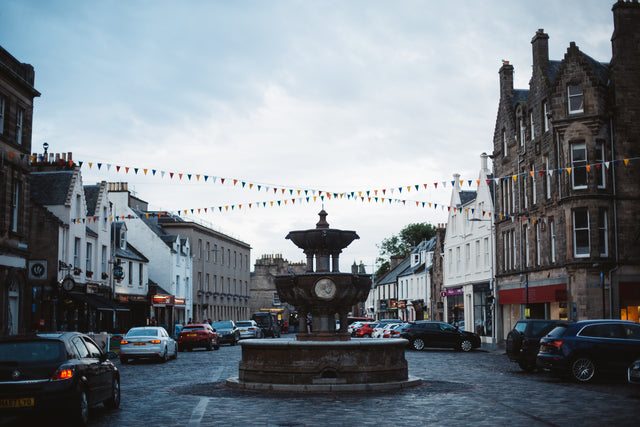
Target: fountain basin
[[313, 366]]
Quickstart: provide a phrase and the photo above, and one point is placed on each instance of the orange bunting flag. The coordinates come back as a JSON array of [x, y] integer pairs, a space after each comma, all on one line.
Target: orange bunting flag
[[197, 177], [126, 168], [531, 173], [235, 181], [145, 171], [588, 168], [90, 164], [148, 215], [180, 175], [626, 162], [478, 182], [569, 170], [515, 178]]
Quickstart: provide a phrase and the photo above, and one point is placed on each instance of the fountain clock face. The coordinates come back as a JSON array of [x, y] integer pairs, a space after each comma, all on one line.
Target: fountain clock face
[[325, 288]]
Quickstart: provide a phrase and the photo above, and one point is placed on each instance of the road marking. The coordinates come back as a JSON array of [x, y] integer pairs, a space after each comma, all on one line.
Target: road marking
[[201, 407], [198, 412]]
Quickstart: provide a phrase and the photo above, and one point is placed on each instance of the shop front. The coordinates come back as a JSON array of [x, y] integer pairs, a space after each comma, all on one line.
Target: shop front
[[483, 310], [629, 300], [455, 307], [139, 309], [533, 302], [162, 311]]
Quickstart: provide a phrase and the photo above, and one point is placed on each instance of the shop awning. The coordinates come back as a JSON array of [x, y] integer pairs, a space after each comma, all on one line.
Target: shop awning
[[536, 294], [97, 302]]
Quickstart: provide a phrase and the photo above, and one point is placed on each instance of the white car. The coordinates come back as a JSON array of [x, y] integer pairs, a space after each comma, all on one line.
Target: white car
[[249, 329], [148, 342], [377, 331]]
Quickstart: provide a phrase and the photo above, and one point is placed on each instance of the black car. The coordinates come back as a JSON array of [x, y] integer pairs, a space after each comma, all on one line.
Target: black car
[[427, 333], [523, 341], [65, 372], [586, 348], [268, 323], [227, 331]]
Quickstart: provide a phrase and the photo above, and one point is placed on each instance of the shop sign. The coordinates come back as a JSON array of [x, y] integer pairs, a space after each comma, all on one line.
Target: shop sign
[[162, 300], [402, 304], [180, 301], [456, 291], [92, 288]]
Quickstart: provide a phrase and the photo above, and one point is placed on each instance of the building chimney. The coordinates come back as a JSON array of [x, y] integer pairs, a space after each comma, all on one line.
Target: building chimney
[[395, 261], [506, 80], [540, 48], [484, 165]]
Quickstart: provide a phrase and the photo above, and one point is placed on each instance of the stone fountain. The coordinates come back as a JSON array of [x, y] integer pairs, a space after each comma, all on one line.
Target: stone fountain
[[323, 359]]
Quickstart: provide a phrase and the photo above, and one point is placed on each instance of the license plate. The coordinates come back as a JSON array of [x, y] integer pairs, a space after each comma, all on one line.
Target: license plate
[[17, 403], [192, 335], [139, 343], [243, 330]]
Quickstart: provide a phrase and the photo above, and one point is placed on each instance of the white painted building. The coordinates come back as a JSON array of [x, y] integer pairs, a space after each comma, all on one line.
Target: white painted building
[[170, 261], [469, 256], [414, 284]]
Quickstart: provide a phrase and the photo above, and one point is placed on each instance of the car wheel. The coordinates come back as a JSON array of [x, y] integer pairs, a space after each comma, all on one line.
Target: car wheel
[[164, 357], [233, 342], [527, 367], [81, 410], [216, 347], [583, 369], [114, 401], [175, 356], [466, 345], [180, 348], [418, 344], [366, 335], [209, 346]]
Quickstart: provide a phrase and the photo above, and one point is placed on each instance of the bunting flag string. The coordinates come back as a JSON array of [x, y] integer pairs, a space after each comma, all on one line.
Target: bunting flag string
[[98, 166], [240, 207], [468, 183]]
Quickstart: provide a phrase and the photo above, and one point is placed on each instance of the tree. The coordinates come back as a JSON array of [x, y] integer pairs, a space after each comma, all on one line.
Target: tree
[[409, 237]]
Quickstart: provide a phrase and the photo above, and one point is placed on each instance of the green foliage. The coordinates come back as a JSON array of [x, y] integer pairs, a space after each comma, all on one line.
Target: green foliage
[[400, 244]]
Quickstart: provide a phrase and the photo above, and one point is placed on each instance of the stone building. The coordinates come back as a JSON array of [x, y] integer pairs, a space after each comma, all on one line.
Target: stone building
[[264, 296], [221, 270], [566, 201], [16, 114]]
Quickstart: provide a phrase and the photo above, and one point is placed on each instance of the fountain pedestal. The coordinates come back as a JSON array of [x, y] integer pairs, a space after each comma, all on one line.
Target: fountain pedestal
[[323, 359]]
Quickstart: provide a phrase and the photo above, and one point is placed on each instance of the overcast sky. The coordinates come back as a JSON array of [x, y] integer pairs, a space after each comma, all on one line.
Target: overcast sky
[[338, 96]]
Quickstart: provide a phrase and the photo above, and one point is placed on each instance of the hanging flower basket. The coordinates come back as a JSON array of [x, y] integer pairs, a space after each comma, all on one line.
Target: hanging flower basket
[[77, 271], [105, 276], [89, 273]]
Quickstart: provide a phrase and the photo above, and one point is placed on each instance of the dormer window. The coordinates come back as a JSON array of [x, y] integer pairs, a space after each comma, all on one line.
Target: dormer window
[[575, 99], [416, 259], [123, 239]]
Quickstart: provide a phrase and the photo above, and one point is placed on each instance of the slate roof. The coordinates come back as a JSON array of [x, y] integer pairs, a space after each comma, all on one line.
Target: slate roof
[[91, 193], [392, 276], [130, 253], [425, 245], [552, 70], [91, 233], [152, 223], [519, 95], [50, 188], [601, 69], [467, 196]]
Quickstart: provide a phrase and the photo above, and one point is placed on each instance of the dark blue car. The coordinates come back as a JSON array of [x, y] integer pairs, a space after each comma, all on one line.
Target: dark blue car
[[589, 347]]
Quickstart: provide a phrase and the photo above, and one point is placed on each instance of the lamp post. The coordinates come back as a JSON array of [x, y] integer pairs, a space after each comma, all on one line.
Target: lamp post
[[492, 288]]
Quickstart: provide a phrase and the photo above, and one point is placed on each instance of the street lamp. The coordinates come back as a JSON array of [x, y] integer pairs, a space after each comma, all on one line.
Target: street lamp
[[492, 288]]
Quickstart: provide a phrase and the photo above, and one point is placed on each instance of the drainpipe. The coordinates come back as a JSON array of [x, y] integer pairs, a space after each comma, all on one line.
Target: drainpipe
[[615, 221]]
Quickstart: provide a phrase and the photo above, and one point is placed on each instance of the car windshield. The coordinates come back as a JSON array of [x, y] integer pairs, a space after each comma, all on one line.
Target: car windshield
[[193, 328], [520, 327], [222, 325], [31, 351], [244, 324], [143, 332]]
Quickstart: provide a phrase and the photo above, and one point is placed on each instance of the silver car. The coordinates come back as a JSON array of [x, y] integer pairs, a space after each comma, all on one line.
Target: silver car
[[148, 342], [249, 329]]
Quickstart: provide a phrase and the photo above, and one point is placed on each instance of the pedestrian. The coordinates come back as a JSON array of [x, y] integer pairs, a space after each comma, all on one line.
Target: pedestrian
[[189, 322]]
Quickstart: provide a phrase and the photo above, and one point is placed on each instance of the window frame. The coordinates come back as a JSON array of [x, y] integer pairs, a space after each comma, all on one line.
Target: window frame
[[603, 232], [19, 125], [600, 177], [584, 232], [579, 165], [572, 96]]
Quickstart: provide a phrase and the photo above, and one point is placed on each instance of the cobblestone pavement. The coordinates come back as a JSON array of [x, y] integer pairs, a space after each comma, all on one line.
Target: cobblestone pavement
[[476, 388]]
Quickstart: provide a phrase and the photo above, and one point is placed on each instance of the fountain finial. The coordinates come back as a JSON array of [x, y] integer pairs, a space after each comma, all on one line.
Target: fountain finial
[[323, 220]]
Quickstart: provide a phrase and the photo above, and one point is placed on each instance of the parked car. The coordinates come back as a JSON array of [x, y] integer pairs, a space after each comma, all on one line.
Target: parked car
[[428, 333], [366, 330], [523, 341], [63, 372], [148, 342], [227, 331], [268, 323], [353, 327], [393, 331], [587, 348], [249, 329], [197, 335], [633, 372]]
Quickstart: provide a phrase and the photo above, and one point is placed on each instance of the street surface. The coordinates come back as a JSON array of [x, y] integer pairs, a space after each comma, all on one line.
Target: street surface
[[476, 388]]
